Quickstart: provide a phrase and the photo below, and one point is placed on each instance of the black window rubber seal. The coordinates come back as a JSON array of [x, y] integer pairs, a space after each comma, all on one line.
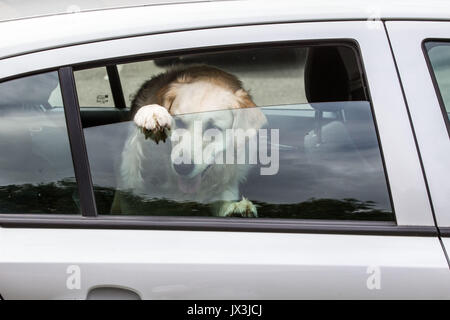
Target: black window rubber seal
[[77, 142], [437, 89], [116, 86]]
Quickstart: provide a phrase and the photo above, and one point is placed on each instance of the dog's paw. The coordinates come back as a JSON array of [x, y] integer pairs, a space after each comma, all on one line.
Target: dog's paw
[[244, 208], [155, 122]]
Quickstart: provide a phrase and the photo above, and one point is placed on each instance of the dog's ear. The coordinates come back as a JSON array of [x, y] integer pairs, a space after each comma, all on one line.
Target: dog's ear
[[248, 116], [167, 95]]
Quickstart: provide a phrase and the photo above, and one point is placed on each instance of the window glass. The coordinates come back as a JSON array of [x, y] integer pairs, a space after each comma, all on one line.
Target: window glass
[[93, 88], [439, 54], [36, 170], [292, 138], [282, 70]]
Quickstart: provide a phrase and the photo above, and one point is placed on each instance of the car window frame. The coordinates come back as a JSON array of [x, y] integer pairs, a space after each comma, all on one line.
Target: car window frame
[[434, 79], [423, 101], [56, 72], [348, 43], [417, 225]]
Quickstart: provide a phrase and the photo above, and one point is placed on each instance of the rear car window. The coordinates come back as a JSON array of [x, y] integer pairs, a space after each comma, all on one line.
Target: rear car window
[[439, 57], [300, 144], [97, 95], [36, 170], [280, 68]]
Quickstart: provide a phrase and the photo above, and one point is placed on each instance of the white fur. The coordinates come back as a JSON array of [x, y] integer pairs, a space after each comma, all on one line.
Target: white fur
[[153, 117], [219, 182], [131, 164], [244, 208]]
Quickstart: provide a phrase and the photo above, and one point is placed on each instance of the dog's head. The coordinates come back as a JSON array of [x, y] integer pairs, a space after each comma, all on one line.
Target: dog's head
[[207, 110]]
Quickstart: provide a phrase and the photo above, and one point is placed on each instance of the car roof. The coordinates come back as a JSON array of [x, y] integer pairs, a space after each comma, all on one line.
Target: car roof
[[23, 36], [24, 9]]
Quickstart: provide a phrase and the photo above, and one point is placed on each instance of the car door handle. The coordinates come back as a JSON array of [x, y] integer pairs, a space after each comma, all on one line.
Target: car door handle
[[112, 293]]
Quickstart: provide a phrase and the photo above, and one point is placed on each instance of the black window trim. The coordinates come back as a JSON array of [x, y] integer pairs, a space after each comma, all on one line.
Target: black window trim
[[445, 232], [77, 142], [214, 224], [89, 219], [434, 80], [351, 43], [116, 86]]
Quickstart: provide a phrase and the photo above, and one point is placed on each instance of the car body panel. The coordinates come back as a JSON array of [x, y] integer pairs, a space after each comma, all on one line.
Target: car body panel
[[429, 124], [221, 265], [41, 33]]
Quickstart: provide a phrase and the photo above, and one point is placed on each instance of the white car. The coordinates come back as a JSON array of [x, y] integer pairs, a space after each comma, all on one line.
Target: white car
[[356, 204]]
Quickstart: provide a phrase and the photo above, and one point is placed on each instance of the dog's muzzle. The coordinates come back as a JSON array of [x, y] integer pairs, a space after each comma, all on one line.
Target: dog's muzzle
[[184, 169], [185, 183]]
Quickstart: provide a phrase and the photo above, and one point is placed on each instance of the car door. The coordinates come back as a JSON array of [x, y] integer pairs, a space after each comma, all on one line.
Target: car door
[[345, 246], [425, 52]]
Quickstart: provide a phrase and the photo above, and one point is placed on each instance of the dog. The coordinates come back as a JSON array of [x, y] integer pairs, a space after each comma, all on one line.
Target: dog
[[187, 93]]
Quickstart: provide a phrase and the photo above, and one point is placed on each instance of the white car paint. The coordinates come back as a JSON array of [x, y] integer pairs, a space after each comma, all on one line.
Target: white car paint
[[429, 125], [221, 265], [29, 35]]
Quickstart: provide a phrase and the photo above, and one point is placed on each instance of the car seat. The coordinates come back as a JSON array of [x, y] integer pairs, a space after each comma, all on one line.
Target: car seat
[[343, 120]]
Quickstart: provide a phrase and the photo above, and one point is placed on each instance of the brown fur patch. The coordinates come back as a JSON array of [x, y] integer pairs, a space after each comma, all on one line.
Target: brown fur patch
[[158, 89]]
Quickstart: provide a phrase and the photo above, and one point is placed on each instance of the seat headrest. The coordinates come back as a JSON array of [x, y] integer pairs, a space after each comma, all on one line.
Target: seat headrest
[[33, 90], [326, 78]]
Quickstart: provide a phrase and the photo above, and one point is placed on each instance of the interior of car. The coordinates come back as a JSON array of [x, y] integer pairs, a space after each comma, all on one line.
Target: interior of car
[[333, 128], [326, 141]]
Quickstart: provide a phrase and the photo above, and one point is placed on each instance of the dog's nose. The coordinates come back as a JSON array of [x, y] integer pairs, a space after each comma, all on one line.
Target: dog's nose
[[183, 169]]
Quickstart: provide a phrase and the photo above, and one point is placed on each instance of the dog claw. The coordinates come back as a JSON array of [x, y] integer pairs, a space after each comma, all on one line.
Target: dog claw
[[244, 208], [154, 121], [157, 136]]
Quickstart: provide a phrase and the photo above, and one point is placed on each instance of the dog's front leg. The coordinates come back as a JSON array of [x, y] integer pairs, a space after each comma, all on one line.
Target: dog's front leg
[[228, 207], [155, 122], [244, 208]]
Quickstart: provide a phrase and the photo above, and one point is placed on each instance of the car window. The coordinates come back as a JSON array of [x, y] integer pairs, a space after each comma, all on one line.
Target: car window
[[294, 138], [439, 56], [281, 68], [36, 170], [93, 88]]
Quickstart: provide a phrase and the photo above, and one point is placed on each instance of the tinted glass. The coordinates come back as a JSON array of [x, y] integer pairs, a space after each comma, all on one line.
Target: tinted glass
[[281, 68], [306, 148], [93, 88], [337, 176], [36, 170], [439, 55]]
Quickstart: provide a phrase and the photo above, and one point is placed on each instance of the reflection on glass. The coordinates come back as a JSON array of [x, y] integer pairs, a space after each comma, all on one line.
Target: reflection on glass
[[439, 54], [281, 69], [36, 170], [320, 161], [93, 88]]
